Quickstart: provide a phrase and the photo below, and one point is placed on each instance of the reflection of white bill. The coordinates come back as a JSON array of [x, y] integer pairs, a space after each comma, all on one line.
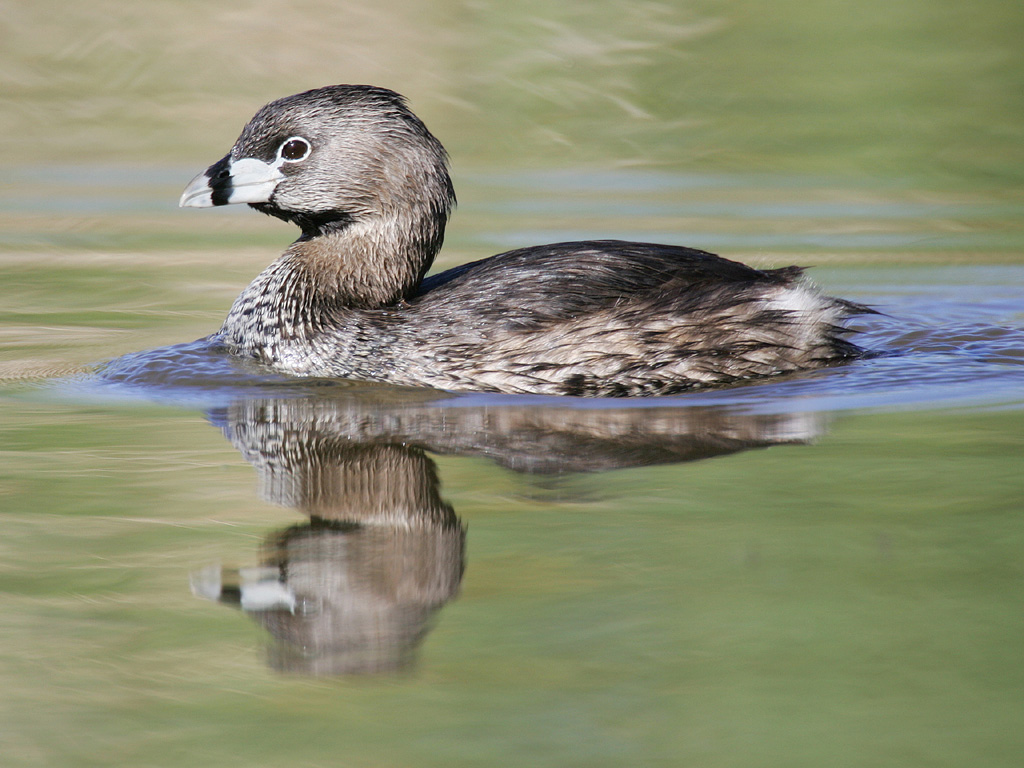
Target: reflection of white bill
[[257, 589]]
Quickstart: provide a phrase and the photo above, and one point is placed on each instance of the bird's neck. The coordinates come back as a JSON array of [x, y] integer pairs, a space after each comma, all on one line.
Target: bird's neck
[[364, 264], [373, 263]]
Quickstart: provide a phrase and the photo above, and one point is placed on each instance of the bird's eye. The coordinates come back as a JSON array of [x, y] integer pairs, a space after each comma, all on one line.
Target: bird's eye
[[294, 149]]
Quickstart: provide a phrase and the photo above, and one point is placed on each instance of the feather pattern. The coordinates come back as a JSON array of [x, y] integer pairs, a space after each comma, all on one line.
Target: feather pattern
[[603, 317]]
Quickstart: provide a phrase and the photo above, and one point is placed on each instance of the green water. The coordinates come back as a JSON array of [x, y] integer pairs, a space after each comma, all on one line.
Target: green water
[[855, 602], [820, 571]]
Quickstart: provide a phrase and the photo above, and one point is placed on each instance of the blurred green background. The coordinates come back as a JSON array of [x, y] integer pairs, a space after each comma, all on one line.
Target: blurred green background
[[929, 92], [888, 105]]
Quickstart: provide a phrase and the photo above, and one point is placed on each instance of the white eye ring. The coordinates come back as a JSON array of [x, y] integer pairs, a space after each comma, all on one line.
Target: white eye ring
[[293, 150]]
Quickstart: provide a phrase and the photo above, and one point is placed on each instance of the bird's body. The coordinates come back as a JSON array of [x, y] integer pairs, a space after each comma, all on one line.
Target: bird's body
[[368, 185]]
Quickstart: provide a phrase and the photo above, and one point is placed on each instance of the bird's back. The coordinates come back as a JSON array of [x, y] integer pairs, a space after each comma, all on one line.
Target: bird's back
[[618, 318]]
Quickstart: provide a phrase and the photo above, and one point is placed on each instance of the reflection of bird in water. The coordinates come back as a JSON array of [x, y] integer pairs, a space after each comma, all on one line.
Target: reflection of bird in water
[[526, 438], [354, 590], [365, 595], [369, 187]]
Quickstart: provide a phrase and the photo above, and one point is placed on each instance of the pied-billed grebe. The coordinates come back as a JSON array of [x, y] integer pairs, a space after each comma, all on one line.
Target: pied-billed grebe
[[368, 185]]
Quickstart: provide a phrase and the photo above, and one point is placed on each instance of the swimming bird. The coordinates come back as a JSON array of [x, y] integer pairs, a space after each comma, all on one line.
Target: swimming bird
[[369, 188]]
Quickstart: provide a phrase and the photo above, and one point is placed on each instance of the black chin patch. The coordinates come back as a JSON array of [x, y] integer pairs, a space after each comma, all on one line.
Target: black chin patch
[[271, 210], [315, 223], [219, 176], [312, 223]]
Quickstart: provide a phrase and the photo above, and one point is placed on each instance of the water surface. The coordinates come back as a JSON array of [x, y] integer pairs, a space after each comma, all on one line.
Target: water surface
[[202, 563]]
